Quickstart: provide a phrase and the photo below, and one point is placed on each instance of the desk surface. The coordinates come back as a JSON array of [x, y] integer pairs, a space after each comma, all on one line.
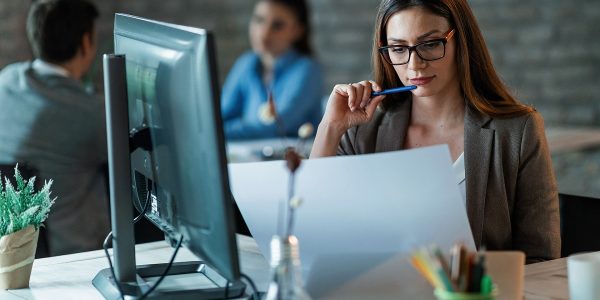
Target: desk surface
[[70, 276], [560, 139], [547, 280], [265, 149]]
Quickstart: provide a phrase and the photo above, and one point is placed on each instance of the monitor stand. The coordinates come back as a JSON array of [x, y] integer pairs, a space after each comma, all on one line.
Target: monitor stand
[[187, 280]]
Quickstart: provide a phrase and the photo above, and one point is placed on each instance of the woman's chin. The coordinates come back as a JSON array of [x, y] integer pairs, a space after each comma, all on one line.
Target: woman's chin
[[423, 92]]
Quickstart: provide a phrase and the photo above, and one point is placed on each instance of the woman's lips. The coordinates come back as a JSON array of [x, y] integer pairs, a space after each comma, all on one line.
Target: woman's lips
[[421, 80]]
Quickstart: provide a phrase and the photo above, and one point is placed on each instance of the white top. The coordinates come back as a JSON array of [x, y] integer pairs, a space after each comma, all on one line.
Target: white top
[[45, 68], [459, 170]]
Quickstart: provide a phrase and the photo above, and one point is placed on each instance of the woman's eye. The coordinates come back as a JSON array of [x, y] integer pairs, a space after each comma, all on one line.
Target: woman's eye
[[431, 45], [278, 25], [399, 50]]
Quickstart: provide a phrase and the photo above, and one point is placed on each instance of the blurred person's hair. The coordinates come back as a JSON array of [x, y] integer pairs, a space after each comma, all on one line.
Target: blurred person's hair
[[302, 11], [55, 28]]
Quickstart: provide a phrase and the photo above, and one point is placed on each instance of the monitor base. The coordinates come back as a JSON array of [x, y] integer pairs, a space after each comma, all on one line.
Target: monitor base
[[186, 280]]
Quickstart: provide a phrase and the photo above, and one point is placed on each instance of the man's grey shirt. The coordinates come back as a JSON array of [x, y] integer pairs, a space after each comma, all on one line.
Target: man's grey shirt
[[53, 124]]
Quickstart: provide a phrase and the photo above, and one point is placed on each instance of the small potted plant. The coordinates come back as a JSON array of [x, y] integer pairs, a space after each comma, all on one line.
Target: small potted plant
[[22, 211]]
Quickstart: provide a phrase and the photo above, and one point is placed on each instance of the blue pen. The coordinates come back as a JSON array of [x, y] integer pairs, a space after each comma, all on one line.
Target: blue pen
[[394, 90]]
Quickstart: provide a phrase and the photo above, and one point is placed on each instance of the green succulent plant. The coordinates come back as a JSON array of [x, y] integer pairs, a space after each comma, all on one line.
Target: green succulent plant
[[22, 206]]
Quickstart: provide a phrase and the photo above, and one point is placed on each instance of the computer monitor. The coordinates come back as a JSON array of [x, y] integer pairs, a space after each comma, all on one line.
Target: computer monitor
[[177, 157]]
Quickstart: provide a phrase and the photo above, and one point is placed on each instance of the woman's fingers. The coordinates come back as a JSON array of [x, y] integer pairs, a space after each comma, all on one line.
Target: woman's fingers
[[351, 90], [375, 86], [360, 91], [365, 94], [341, 89], [372, 106], [356, 98], [359, 94]]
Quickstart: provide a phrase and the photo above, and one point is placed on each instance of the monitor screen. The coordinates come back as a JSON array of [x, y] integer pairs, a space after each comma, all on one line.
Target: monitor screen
[[173, 94]]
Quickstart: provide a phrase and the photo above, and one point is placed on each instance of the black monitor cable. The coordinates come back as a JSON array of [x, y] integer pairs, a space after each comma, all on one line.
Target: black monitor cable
[[166, 271], [112, 270], [252, 285], [109, 238], [226, 296]]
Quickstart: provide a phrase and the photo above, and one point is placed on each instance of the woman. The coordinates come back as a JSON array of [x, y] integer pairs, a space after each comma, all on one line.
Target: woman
[[279, 66], [498, 145]]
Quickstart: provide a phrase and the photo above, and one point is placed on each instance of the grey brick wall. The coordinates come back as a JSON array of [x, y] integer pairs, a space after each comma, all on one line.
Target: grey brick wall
[[13, 43], [546, 52]]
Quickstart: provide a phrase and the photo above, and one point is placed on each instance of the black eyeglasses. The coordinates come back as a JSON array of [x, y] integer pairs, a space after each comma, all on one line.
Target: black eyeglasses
[[429, 50]]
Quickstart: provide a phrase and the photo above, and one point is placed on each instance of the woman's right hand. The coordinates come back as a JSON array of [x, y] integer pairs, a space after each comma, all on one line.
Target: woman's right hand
[[350, 105]]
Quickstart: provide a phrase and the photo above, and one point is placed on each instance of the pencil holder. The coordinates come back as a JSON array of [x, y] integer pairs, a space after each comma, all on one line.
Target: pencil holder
[[445, 295]]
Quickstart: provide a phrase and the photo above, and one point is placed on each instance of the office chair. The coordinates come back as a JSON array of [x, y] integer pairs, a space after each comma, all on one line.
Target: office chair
[[579, 224], [28, 171]]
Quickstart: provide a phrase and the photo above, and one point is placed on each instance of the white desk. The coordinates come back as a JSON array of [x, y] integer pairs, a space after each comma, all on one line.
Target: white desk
[[70, 276], [264, 149]]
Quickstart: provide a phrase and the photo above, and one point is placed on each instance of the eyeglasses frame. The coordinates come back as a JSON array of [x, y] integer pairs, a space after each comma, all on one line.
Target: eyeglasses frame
[[444, 41]]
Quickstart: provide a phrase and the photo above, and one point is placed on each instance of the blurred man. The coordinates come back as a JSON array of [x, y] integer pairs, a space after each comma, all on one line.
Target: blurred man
[[48, 120]]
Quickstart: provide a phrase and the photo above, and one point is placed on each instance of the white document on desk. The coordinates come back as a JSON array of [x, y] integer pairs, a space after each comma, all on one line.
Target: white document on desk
[[360, 219]]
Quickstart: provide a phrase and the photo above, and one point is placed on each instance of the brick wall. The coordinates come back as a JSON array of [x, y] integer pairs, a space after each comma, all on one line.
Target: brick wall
[[548, 52]]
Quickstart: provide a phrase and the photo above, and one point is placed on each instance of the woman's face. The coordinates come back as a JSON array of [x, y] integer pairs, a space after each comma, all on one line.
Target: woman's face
[[273, 28], [416, 25]]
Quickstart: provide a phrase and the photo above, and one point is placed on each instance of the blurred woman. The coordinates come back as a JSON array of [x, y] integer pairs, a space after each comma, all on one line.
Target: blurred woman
[[281, 67]]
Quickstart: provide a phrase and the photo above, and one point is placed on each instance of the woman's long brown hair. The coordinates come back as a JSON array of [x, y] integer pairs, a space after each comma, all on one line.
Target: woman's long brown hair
[[479, 81]]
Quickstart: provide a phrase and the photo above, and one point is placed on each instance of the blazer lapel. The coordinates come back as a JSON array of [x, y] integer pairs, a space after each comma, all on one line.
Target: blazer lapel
[[392, 130], [479, 142]]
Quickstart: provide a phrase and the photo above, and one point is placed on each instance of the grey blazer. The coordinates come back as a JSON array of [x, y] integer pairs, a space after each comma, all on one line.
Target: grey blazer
[[512, 197]]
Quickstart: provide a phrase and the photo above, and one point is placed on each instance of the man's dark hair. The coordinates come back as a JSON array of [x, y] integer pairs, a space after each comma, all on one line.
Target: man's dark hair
[[55, 28]]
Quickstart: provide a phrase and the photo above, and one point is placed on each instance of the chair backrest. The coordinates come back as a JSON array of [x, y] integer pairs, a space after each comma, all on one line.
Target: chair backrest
[[579, 224], [27, 171]]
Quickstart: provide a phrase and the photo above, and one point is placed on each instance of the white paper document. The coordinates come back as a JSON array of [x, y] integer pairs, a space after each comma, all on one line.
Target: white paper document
[[361, 218]]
